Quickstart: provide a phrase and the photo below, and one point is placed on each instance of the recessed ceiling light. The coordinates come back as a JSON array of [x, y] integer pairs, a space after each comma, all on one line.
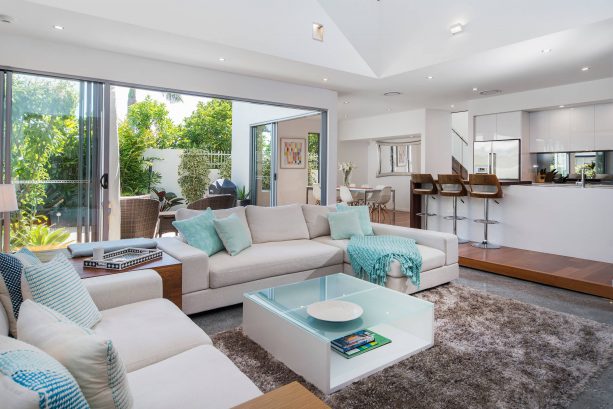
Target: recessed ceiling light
[[429, 77], [392, 93], [345, 102], [475, 89], [562, 106], [318, 32], [457, 28], [389, 109], [586, 68], [452, 106], [6, 19], [325, 80], [546, 50], [58, 27], [222, 59]]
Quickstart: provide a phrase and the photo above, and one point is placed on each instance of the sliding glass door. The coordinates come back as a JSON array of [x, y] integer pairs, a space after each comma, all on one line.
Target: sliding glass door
[[51, 141], [264, 177]]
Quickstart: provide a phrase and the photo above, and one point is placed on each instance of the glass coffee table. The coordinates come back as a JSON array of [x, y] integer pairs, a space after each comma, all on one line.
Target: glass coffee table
[[276, 318]]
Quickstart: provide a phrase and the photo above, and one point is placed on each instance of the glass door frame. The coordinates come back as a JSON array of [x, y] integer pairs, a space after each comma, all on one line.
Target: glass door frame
[[92, 139], [253, 174]]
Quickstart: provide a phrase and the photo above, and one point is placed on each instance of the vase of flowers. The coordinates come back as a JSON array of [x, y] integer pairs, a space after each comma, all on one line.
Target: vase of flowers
[[346, 168]]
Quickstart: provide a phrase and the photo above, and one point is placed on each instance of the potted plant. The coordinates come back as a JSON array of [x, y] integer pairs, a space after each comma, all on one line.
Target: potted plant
[[168, 200], [346, 168], [242, 196]]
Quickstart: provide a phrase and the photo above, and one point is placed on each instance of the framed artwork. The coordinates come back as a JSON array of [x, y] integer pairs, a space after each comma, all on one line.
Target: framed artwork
[[402, 159], [293, 153]]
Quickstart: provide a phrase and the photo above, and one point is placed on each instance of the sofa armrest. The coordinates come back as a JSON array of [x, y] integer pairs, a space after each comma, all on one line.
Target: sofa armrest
[[114, 290], [4, 321], [447, 243], [195, 262]]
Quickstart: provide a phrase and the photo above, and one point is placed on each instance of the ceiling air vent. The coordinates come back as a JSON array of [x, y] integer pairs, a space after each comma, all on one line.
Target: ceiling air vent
[[491, 92], [392, 93]]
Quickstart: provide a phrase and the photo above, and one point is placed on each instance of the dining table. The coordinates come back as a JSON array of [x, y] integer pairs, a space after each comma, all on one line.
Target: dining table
[[365, 192]]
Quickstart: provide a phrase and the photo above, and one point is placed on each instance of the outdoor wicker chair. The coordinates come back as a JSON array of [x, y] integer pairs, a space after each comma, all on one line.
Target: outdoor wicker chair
[[139, 217], [214, 202]]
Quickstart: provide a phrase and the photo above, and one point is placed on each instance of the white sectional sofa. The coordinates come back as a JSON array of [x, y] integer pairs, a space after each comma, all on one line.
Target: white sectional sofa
[[293, 243], [171, 362]]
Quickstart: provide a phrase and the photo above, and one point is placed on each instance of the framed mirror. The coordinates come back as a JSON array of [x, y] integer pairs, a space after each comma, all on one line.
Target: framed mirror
[[399, 158]]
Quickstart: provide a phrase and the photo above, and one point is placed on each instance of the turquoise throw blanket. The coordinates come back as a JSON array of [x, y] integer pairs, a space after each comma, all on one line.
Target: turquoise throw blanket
[[371, 256]]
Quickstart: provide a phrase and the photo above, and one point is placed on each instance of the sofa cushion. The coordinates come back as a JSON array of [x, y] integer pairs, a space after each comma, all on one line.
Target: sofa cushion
[[344, 225], [271, 259], [431, 257], [199, 232], [57, 285], [316, 218], [30, 378], [233, 234], [279, 223], [149, 331], [201, 377], [92, 360], [363, 213]]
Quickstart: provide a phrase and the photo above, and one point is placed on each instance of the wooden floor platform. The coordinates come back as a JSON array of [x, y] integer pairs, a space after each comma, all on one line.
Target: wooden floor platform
[[586, 276]]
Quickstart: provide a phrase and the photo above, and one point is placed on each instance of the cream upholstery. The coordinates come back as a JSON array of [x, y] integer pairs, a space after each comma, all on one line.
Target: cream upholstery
[[431, 257], [279, 223], [201, 377], [119, 289], [149, 331], [4, 321], [270, 259], [316, 218], [194, 261]]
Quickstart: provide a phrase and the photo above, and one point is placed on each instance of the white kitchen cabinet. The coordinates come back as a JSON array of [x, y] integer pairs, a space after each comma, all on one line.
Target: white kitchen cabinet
[[582, 128], [558, 139], [539, 131], [509, 125], [485, 127], [603, 139]]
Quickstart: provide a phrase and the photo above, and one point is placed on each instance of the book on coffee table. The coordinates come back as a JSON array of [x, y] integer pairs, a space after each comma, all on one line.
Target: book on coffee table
[[378, 340]]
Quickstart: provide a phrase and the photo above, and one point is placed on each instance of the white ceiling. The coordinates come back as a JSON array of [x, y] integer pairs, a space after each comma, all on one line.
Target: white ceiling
[[370, 46]]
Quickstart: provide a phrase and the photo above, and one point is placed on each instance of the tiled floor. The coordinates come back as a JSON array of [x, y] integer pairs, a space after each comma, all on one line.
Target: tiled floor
[[598, 395]]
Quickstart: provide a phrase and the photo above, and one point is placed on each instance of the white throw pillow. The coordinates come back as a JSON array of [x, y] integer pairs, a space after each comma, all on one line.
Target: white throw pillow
[[279, 223], [316, 218], [91, 359], [57, 285]]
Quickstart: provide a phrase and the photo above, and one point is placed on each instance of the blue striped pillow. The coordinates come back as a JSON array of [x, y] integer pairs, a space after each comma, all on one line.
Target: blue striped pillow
[[57, 285], [38, 380]]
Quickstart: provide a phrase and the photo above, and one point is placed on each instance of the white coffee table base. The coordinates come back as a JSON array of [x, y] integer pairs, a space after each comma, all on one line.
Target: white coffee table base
[[312, 357]]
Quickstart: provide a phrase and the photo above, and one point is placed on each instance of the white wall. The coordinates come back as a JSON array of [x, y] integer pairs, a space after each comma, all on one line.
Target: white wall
[[41, 55], [291, 183], [357, 153], [393, 125]]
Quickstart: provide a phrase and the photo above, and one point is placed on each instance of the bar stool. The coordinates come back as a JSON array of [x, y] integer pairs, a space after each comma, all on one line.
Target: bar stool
[[453, 186], [427, 188], [488, 187]]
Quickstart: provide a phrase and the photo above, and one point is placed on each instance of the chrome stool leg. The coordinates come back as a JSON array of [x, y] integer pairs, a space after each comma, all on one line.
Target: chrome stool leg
[[426, 213], [485, 244], [455, 219]]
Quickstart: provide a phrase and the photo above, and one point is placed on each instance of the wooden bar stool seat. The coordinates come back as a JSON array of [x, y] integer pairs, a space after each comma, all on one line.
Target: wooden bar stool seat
[[425, 186], [485, 187], [453, 186]]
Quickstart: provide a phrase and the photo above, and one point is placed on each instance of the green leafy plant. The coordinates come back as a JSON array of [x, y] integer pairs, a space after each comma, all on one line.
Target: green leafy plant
[[193, 174], [588, 168], [34, 232], [209, 127], [168, 200], [225, 170], [242, 193]]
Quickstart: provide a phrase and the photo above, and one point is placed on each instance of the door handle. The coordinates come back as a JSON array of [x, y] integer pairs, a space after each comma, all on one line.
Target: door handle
[[104, 181]]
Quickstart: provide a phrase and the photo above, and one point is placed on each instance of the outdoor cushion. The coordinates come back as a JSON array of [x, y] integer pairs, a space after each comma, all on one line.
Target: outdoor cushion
[[264, 260], [202, 377], [92, 360], [431, 257], [149, 331], [57, 285], [233, 234], [344, 225], [87, 249], [279, 223], [316, 218]]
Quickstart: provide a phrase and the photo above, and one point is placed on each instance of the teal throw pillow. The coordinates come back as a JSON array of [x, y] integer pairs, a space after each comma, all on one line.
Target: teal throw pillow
[[199, 232], [233, 234], [363, 213], [344, 225]]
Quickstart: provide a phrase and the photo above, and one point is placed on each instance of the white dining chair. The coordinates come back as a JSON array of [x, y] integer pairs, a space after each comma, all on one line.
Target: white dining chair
[[317, 193], [346, 196], [379, 200]]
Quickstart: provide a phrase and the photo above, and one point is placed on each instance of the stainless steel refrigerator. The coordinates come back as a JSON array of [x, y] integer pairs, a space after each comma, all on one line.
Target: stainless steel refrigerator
[[501, 158]]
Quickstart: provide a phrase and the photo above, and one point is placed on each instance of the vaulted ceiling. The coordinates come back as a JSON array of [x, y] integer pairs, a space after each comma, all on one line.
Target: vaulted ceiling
[[369, 46]]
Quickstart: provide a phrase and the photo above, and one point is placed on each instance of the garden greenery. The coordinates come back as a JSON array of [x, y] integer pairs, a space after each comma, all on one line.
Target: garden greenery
[[194, 174]]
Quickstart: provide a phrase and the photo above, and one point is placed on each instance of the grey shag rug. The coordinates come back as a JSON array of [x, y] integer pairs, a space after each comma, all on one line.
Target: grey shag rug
[[489, 352]]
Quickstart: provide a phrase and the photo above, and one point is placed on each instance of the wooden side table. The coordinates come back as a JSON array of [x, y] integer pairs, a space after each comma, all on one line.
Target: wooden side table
[[168, 267], [292, 395]]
